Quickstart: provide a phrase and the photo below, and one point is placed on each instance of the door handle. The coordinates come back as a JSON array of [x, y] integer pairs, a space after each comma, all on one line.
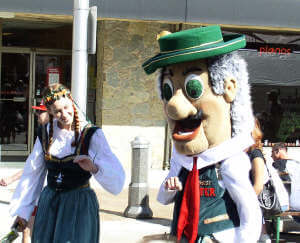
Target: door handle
[[19, 99]]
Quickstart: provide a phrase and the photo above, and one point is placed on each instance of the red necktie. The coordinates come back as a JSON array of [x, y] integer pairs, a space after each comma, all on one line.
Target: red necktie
[[190, 206]]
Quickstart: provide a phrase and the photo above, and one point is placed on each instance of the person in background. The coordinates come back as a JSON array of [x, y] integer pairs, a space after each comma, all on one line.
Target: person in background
[[258, 172], [280, 157], [41, 113], [42, 118], [68, 209], [289, 171], [6, 181], [275, 113]]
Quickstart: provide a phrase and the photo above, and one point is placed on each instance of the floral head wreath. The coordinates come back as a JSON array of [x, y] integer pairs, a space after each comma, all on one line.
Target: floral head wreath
[[55, 94]]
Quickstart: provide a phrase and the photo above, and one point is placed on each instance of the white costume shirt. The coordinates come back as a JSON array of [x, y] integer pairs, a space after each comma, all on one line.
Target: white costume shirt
[[110, 175], [234, 171]]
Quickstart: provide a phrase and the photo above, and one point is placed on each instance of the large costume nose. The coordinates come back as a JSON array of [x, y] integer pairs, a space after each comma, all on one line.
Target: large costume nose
[[179, 107]]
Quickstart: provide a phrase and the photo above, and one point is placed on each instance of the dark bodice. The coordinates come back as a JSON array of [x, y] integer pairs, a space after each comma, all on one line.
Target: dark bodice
[[63, 173]]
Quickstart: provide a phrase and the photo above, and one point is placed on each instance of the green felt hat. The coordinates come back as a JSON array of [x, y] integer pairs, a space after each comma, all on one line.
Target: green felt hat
[[193, 44]]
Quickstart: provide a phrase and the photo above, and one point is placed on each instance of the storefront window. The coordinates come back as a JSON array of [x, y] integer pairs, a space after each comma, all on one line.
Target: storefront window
[[14, 98], [37, 35], [278, 110], [275, 83]]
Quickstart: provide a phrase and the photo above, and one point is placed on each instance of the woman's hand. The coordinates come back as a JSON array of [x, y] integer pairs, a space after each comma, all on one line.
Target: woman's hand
[[5, 181], [173, 183], [86, 163], [20, 224]]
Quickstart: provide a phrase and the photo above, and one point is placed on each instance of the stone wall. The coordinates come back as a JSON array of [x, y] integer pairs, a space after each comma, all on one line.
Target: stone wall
[[127, 97]]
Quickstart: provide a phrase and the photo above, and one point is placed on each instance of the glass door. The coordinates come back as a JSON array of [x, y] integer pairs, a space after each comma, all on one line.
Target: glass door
[[15, 89], [49, 68], [24, 74]]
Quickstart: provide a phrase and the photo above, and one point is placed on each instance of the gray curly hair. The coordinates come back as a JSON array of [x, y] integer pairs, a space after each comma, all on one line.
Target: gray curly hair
[[220, 68]]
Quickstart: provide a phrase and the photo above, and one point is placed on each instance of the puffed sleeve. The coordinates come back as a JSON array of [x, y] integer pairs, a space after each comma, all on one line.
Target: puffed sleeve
[[110, 175], [30, 185], [167, 196], [235, 175]]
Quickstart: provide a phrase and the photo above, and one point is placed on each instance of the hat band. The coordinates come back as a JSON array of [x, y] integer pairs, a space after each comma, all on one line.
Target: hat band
[[205, 44], [187, 53]]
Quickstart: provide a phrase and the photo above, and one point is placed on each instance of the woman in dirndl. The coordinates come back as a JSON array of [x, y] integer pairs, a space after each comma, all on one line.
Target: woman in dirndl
[[69, 150]]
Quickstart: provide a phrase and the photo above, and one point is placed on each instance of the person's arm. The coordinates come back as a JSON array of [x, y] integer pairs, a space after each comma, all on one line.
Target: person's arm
[[109, 171], [30, 185], [235, 174], [257, 171], [8, 180]]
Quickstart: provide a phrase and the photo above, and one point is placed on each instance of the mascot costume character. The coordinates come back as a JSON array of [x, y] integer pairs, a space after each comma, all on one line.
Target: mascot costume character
[[206, 96]]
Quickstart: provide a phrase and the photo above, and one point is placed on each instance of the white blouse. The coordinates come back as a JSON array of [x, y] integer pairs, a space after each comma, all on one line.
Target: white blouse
[[110, 175]]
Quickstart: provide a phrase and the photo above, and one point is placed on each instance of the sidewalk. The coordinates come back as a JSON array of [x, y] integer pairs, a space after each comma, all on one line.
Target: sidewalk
[[114, 227]]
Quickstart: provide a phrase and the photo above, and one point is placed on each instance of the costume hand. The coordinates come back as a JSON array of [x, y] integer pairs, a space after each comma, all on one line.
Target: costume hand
[[86, 163], [20, 224], [173, 183], [281, 173]]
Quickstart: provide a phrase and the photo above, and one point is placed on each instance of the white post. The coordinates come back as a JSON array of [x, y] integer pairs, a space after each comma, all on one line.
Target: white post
[[138, 195], [79, 53]]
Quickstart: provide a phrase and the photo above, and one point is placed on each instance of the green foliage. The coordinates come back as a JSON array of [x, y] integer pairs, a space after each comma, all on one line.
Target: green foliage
[[289, 123]]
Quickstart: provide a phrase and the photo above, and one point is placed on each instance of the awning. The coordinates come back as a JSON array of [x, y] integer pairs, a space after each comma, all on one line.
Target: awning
[[272, 69]]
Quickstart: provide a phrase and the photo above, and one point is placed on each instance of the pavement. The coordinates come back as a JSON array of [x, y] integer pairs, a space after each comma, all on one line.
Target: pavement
[[114, 226]]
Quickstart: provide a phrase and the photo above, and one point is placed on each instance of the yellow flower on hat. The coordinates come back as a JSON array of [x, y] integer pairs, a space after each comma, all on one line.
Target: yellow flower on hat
[[163, 33]]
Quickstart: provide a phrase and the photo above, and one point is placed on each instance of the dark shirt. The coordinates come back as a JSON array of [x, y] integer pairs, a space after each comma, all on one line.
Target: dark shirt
[[252, 155], [280, 165]]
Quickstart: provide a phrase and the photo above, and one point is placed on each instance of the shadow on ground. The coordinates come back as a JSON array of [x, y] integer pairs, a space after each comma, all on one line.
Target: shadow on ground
[[154, 220], [161, 221], [158, 238]]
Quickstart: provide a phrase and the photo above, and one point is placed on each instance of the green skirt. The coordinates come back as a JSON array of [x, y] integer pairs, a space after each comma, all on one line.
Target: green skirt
[[67, 217]]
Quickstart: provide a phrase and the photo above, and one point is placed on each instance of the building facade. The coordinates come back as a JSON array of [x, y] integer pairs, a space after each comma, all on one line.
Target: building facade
[[36, 47]]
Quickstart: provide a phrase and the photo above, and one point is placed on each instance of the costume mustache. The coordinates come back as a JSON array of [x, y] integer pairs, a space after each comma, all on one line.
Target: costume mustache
[[192, 121]]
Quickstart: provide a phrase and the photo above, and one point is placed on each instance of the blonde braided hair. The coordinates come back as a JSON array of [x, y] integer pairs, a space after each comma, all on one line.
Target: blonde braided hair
[[75, 122], [50, 138]]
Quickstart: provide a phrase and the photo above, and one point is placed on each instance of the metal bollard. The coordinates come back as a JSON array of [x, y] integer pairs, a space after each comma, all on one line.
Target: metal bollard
[[138, 197]]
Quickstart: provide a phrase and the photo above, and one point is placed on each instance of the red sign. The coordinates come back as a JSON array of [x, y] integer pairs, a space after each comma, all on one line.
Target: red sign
[[53, 76], [267, 49]]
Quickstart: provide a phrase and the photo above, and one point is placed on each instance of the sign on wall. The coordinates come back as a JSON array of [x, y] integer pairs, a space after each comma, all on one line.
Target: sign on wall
[[53, 76]]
